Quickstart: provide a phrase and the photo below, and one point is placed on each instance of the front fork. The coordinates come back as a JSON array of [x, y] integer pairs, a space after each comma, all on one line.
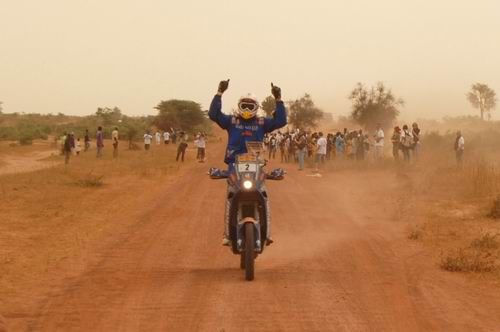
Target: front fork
[[240, 234], [228, 215]]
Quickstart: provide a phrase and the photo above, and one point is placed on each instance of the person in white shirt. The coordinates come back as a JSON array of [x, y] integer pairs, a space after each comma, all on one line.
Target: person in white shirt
[[158, 138], [321, 145], [166, 137], [201, 144], [78, 147], [114, 138], [459, 148], [379, 142], [147, 140]]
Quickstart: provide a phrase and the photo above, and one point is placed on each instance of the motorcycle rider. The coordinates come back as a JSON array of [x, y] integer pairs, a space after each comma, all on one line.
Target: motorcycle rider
[[242, 127]]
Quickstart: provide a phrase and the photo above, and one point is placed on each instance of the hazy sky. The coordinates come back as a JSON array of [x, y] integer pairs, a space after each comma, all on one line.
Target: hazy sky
[[72, 56]]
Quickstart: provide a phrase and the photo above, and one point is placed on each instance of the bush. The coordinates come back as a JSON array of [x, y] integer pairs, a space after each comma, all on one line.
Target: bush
[[464, 260], [91, 181]]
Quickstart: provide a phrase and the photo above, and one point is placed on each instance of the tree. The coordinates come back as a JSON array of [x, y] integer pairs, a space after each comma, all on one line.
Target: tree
[[482, 97], [303, 113], [1, 107], [108, 115], [184, 114], [377, 105], [269, 105]]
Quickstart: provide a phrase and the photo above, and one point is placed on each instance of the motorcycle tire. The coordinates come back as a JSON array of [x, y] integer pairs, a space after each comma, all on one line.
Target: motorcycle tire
[[242, 260], [249, 251]]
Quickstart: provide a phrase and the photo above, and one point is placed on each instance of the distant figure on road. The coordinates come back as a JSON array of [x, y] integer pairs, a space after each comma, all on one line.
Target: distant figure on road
[[181, 149], [200, 143], [301, 144], [158, 138], [379, 142], [86, 140], [406, 143], [459, 148], [115, 138], [396, 142], [147, 140], [415, 131], [166, 137], [339, 145], [69, 145], [99, 141], [78, 147], [321, 145]]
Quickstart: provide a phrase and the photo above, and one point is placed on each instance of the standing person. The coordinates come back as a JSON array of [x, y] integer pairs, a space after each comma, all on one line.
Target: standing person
[[321, 146], [173, 136], [360, 146], [86, 140], [379, 142], [181, 149], [339, 145], [415, 131], [114, 138], [78, 147], [69, 145], [396, 142], [200, 143], [406, 143], [158, 138], [166, 137], [272, 146], [147, 140], [459, 148], [301, 147], [62, 141], [99, 141]]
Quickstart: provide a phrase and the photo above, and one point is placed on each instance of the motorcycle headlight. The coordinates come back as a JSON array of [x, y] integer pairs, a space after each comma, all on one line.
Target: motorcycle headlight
[[247, 184]]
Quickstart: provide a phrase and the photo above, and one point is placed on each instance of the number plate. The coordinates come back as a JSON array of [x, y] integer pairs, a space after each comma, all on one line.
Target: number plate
[[247, 167]]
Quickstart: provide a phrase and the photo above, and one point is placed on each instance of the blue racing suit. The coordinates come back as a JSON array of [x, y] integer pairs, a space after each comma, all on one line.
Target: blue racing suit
[[239, 132]]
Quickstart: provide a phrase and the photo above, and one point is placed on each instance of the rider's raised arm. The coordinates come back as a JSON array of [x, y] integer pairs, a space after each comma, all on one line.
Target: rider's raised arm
[[278, 120], [215, 113]]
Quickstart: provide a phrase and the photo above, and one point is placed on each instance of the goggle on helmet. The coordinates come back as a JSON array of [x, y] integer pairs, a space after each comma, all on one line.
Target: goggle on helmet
[[248, 107]]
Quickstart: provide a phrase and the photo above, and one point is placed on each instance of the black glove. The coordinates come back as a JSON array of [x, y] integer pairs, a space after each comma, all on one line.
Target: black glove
[[223, 85], [276, 91]]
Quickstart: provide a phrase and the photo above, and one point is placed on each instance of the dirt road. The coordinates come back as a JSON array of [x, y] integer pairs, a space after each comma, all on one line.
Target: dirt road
[[26, 163], [341, 261]]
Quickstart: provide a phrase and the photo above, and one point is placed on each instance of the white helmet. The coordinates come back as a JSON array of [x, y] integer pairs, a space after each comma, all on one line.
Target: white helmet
[[248, 106]]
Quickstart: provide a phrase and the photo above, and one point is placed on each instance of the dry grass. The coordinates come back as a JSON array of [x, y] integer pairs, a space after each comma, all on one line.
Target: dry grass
[[467, 260], [91, 181], [486, 241], [483, 178], [416, 233]]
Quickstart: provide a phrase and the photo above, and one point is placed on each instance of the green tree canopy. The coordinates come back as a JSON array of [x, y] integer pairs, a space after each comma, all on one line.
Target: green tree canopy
[[268, 105], [109, 116], [374, 105], [481, 96], [302, 113], [183, 114]]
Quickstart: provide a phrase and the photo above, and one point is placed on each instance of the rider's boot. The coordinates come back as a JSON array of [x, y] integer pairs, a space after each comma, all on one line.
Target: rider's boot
[[225, 240], [269, 239]]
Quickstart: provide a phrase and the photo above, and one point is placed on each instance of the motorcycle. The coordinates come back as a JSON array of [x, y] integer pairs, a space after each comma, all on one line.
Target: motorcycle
[[248, 213]]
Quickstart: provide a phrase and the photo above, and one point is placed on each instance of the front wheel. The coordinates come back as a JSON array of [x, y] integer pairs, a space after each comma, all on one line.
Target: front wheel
[[249, 251], [242, 260]]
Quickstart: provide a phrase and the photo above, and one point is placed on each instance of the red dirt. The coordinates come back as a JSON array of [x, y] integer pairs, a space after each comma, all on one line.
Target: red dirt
[[341, 261]]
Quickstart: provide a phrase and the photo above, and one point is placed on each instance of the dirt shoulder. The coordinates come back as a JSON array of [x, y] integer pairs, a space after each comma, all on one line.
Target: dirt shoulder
[[55, 220]]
